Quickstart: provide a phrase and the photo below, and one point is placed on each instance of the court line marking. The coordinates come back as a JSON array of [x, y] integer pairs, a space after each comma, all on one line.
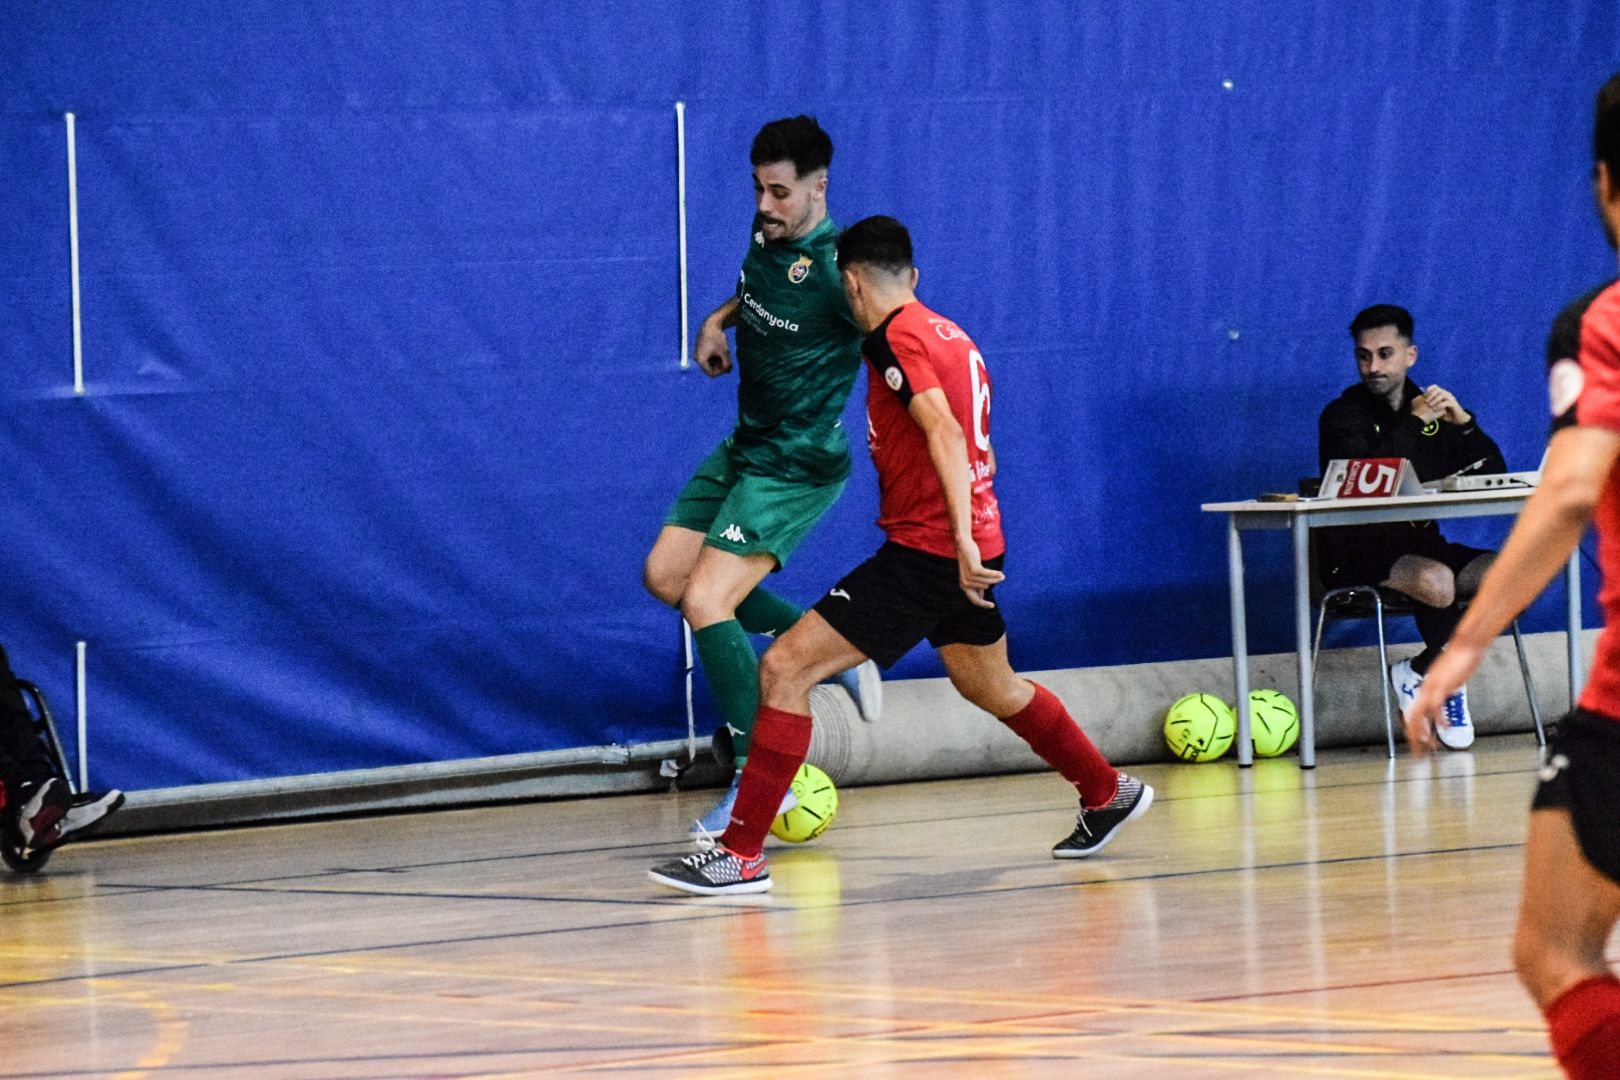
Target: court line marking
[[1178, 1008], [733, 912], [1496, 973], [693, 902], [125, 889], [1028, 1045], [1092, 1012], [695, 908], [1090, 1008], [1529, 770], [169, 1038]]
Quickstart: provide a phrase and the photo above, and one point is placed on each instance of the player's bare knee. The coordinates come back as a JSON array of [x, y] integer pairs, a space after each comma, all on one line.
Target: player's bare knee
[[783, 673], [1001, 706], [1547, 965], [1543, 971], [1468, 581], [1432, 585], [976, 693], [1441, 586], [704, 606], [775, 667], [1527, 958], [662, 583], [998, 696]]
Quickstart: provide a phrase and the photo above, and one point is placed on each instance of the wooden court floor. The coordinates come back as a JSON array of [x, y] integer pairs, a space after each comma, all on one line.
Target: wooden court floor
[[1351, 922]]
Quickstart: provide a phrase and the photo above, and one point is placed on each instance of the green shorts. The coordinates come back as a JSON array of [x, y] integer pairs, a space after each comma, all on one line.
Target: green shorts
[[749, 514]]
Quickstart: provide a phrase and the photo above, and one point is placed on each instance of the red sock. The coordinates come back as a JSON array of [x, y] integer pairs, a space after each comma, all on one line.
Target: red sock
[[780, 742], [1052, 733], [1584, 1024]]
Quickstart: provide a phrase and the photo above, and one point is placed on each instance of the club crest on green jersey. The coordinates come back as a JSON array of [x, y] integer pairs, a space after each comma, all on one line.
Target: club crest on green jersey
[[800, 270]]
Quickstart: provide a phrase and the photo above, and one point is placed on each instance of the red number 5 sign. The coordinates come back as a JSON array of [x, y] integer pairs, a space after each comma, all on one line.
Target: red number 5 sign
[[1369, 478]]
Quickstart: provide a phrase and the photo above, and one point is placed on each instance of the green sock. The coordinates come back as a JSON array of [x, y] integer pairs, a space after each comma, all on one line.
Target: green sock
[[732, 669], [764, 612]]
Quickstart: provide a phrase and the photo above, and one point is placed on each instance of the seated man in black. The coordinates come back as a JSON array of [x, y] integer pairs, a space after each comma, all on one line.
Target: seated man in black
[[1388, 415], [44, 812]]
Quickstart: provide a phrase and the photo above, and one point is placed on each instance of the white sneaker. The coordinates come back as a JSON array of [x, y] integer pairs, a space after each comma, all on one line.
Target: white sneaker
[[865, 685], [1406, 683], [1456, 729]]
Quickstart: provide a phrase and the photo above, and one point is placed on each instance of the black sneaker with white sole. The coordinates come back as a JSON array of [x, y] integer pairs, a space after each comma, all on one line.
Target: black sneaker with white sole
[[719, 871], [88, 812], [41, 806], [1094, 828]]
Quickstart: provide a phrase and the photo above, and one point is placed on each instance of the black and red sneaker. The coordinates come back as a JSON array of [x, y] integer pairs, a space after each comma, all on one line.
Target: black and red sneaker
[[1093, 829], [716, 872], [88, 812], [41, 806]]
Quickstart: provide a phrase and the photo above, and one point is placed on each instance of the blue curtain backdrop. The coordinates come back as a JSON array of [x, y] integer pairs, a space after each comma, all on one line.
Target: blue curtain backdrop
[[381, 323]]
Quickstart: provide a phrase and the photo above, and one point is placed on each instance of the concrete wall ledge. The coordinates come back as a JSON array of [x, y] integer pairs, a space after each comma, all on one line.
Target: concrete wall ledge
[[926, 732]]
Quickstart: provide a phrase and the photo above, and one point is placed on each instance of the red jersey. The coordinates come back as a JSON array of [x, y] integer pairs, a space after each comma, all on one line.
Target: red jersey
[[913, 351], [1598, 405]]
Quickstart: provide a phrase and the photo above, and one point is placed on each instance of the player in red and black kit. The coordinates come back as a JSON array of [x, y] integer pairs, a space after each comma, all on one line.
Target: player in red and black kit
[[1572, 857], [928, 411]]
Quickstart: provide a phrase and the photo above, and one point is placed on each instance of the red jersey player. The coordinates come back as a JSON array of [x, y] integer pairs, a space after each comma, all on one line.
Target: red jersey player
[[1572, 857], [928, 407]]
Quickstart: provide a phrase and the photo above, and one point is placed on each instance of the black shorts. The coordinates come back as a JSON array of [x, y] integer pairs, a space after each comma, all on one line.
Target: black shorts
[[1365, 554], [900, 596], [1582, 775]]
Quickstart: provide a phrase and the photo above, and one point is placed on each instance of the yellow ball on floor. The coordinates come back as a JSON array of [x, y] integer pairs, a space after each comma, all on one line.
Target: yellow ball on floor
[[1199, 727], [1273, 722], [818, 805]]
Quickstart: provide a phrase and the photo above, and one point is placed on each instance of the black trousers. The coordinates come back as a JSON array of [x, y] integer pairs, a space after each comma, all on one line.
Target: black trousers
[[23, 754]]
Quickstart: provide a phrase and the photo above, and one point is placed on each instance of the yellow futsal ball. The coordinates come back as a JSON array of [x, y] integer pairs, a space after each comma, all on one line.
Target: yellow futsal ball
[[818, 804], [1273, 722], [1199, 727]]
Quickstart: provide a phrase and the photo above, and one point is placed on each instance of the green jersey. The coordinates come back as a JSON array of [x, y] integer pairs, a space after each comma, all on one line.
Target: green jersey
[[798, 350]]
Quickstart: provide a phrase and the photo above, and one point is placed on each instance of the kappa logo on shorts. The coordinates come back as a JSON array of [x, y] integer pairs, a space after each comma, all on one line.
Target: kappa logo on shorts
[[1557, 764], [734, 534], [800, 270]]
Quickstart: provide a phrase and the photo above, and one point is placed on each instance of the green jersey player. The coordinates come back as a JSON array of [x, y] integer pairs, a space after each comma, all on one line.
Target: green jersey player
[[757, 495], [794, 344]]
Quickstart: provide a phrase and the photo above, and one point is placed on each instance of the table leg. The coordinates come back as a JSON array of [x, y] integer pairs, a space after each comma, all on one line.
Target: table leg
[[1240, 639], [1302, 643], [1572, 589]]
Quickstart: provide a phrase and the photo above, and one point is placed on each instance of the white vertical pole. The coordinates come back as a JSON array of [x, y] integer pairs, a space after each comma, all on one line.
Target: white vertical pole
[[680, 198], [84, 727], [691, 715], [1572, 612], [73, 250]]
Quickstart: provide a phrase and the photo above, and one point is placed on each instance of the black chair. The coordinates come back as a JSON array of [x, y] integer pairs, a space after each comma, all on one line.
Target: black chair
[[1376, 602], [12, 850]]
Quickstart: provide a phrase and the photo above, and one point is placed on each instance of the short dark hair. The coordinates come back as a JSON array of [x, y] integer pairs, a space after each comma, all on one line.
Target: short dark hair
[[878, 241], [798, 139], [1606, 128], [1383, 315]]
